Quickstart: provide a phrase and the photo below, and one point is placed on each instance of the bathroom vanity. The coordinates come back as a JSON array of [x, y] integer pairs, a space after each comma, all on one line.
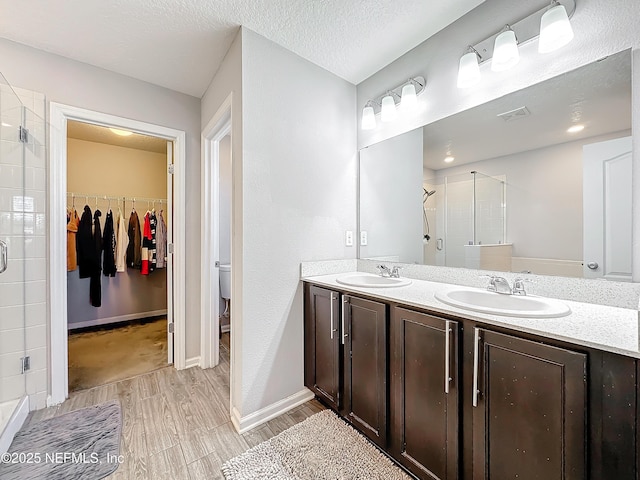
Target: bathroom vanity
[[450, 393]]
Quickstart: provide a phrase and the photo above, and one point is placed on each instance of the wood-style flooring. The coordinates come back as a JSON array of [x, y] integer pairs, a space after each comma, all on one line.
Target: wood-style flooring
[[176, 424]]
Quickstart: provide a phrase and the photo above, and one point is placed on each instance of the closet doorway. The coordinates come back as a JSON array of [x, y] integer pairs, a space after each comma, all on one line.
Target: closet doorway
[[118, 211], [156, 299]]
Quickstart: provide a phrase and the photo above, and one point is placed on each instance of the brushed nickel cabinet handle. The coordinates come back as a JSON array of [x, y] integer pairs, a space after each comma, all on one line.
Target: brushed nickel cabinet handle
[[344, 333], [332, 329], [447, 356], [476, 354]]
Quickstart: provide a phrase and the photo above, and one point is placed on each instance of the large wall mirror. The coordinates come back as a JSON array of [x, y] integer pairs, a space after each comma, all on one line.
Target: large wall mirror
[[536, 181]]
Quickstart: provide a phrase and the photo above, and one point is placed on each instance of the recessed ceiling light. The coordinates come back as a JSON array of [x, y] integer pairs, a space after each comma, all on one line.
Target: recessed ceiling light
[[575, 128], [449, 159], [122, 133]]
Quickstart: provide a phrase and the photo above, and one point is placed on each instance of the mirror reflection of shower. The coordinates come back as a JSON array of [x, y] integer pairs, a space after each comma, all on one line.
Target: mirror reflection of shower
[[464, 224], [425, 197]]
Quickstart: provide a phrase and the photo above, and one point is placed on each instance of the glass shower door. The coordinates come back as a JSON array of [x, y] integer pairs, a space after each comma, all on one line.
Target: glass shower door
[[13, 231]]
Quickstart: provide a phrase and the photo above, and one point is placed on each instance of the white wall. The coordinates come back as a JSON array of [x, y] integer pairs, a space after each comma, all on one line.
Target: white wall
[[78, 84], [228, 81], [391, 198], [299, 188], [224, 196]]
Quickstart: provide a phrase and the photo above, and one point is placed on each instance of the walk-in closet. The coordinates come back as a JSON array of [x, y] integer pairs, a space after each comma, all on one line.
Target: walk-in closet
[[118, 224]]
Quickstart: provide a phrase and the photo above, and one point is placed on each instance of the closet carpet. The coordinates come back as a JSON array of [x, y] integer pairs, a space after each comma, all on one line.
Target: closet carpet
[[108, 355]]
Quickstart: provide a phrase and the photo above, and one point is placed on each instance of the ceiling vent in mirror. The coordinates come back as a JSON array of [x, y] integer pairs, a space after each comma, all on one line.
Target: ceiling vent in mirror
[[515, 114], [550, 23]]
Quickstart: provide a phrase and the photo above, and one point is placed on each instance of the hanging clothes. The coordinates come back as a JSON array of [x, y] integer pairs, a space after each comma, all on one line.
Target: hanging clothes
[[84, 244], [72, 228], [109, 246], [134, 259], [95, 286], [152, 249], [146, 244], [122, 242], [161, 241]]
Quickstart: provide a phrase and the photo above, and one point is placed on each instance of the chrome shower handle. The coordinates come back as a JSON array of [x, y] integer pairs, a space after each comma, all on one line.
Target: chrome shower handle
[[4, 263]]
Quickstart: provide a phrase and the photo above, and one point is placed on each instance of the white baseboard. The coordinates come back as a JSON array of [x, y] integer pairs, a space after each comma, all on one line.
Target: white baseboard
[[244, 424], [192, 362], [16, 421], [120, 318], [225, 328]]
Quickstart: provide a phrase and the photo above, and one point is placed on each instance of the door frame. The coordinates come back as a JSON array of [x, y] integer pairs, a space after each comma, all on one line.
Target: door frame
[[218, 127], [57, 184]]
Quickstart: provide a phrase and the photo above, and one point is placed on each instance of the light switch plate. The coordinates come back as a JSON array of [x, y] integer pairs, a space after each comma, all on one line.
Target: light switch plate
[[348, 238], [363, 238]]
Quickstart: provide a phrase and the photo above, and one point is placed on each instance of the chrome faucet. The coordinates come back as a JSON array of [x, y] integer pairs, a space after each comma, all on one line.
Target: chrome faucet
[[499, 285], [518, 287], [384, 270], [389, 272]]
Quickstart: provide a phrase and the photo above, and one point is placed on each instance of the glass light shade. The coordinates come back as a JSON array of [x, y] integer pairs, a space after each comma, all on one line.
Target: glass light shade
[[409, 98], [469, 70], [555, 29], [505, 52], [368, 118], [388, 113]]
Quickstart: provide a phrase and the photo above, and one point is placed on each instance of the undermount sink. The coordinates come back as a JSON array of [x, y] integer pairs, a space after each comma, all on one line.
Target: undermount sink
[[370, 280], [494, 303]]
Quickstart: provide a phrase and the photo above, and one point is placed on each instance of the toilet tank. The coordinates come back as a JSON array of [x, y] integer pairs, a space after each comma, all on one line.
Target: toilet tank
[[225, 281]]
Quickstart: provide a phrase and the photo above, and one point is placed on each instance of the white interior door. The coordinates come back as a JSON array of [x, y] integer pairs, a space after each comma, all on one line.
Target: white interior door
[[607, 209], [169, 220]]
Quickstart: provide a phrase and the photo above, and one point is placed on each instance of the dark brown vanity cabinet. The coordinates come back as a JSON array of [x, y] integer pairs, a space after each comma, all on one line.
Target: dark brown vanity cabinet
[[365, 366], [424, 394], [346, 357], [450, 399], [529, 409], [322, 372]]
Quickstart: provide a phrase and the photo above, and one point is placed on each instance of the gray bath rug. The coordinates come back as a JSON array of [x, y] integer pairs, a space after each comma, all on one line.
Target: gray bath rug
[[82, 445], [322, 447]]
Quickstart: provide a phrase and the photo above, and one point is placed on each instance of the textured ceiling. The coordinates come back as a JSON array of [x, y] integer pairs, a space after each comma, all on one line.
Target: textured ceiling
[[179, 44], [98, 134], [597, 95]]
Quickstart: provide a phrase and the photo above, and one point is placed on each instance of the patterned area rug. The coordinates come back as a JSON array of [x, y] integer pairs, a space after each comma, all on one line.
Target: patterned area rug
[[84, 444], [323, 447]]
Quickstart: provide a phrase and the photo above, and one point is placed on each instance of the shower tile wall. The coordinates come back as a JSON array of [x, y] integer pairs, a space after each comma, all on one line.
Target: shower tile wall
[[24, 216]]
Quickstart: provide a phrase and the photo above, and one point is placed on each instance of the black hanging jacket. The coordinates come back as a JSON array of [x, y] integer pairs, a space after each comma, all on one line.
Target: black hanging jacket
[[84, 244], [95, 287], [109, 246]]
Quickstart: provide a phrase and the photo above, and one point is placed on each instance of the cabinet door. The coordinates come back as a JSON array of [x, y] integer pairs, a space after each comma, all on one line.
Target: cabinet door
[[424, 398], [322, 344], [365, 352], [529, 409]]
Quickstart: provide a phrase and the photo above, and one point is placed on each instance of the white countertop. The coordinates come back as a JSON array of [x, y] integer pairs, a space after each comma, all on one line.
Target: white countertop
[[606, 328]]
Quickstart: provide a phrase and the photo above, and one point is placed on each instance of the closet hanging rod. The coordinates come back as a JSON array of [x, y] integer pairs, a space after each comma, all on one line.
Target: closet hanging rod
[[120, 198]]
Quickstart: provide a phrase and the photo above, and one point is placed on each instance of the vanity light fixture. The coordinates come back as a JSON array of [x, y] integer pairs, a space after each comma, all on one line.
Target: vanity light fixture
[[505, 51], [555, 28], [368, 117], [469, 68], [575, 128], [122, 133], [550, 23], [405, 96], [388, 112], [409, 100]]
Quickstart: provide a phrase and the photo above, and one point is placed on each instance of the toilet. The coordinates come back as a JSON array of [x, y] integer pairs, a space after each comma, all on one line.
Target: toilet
[[225, 285]]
